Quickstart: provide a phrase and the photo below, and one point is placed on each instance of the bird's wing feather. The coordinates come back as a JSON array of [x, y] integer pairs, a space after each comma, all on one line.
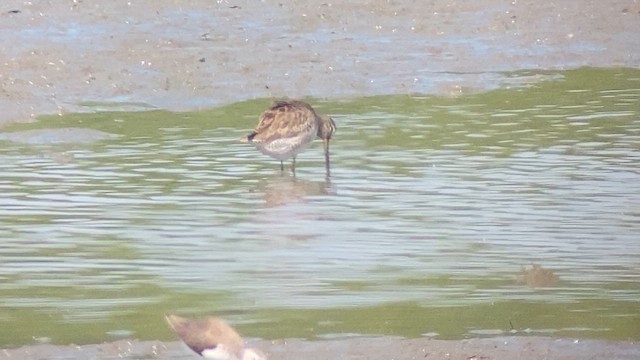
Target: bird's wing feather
[[285, 119]]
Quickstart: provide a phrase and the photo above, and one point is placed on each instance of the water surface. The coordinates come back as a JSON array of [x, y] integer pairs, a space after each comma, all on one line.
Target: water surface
[[433, 208]]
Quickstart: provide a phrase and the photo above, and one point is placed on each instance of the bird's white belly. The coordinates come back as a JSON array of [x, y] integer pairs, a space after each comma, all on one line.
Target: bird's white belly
[[218, 353], [284, 148]]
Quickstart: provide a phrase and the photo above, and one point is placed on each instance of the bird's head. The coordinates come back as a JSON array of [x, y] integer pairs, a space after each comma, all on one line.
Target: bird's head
[[327, 128]]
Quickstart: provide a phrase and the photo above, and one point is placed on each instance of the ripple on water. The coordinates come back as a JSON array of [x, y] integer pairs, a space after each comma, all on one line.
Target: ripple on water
[[438, 202]]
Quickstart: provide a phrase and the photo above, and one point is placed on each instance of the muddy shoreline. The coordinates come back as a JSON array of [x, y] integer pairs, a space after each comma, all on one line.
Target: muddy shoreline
[[77, 56], [377, 348]]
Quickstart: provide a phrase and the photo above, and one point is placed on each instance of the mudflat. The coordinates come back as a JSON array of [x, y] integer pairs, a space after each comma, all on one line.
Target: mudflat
[[375, 348], [57, 57]]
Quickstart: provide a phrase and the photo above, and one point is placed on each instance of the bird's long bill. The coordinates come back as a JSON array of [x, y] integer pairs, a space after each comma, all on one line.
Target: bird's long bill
[[327, 165]]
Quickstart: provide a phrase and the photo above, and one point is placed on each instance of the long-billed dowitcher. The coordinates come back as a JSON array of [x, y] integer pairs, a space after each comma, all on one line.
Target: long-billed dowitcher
[[212, 338], [289, 126]]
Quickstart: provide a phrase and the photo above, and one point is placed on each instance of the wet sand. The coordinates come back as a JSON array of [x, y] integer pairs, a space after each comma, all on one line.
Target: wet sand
[[198, 54], [383, 348], [65, 56]]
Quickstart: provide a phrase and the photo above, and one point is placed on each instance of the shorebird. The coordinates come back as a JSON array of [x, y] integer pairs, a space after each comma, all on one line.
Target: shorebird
[[212, 338], [288, 127]]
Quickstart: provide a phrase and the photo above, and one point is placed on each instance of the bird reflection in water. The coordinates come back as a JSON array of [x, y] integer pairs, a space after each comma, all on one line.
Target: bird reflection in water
[[283, 190]]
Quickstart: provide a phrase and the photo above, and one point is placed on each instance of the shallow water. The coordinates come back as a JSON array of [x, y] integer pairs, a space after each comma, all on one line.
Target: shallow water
[[433, 208]]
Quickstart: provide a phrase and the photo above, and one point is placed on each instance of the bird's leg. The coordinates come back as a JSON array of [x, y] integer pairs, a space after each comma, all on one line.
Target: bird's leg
[[327, 164], [281, 166], [293, 165]]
